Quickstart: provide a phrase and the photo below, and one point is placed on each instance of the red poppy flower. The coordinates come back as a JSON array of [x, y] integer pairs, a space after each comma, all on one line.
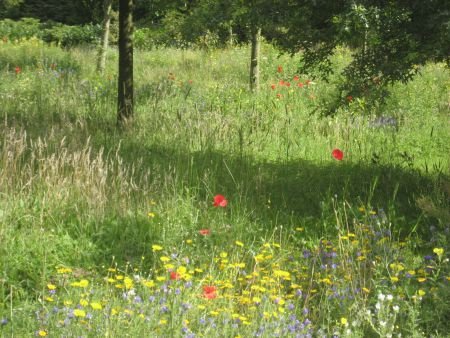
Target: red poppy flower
[[204, 232], [281, 83], [209, 291], [337, 154], [279, 96], [220, 201], [349, 98], [17, 70], [273, 86], [296, 78], [174, 275], [307, 82], [279, 69], [287, 84], [300, 84]]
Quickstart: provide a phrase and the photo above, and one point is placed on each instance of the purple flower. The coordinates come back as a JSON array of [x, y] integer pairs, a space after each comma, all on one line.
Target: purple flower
[[186, 306], [4, 321], [306, 254]]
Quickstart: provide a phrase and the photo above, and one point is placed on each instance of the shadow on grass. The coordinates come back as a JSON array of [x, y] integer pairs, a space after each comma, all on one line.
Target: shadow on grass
[[269, 194]]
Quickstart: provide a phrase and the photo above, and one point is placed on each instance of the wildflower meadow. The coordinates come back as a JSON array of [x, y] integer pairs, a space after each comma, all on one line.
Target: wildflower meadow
[[220, 212]]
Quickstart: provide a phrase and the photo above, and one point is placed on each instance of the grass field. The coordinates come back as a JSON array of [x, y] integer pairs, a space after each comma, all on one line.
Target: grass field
[[220, 213]]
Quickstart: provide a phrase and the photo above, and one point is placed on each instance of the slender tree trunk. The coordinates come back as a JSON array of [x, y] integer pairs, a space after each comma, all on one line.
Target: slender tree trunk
[[101, 61], [230, 36], [254, 61], [125, 90]]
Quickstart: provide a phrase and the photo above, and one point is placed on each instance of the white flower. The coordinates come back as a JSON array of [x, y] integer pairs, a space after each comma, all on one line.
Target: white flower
[[396, 308], [381, 297], [378, 306], [389, 297], [382, 323]]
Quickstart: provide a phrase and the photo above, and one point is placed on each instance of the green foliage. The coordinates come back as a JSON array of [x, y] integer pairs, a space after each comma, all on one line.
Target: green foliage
[[50, 32], [70, 36], [388, 39]]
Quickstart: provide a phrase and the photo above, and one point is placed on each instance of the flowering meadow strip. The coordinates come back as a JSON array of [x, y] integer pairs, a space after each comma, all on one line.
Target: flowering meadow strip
[[344, 286]]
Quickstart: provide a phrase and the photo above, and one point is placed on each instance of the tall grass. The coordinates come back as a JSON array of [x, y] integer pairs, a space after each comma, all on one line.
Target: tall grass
[[324, 247]]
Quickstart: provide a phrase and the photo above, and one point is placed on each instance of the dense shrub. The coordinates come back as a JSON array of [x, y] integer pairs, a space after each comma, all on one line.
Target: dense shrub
[[51, 32]]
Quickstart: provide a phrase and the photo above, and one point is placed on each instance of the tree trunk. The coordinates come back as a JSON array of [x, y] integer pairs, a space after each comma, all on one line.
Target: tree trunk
[[101, 61], [254, 61], [125, 90]]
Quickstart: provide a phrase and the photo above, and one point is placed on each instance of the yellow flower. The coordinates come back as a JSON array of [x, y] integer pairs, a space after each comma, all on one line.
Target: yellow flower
[[149, 283], [128, 282], [67, 302], [239, 243], [421, 279], [49, 299], [160, 278], [51, 286], [189, 241], [164, 259], [438, 251], [163, 322], [282, 274], [64, 270], [79, 313], [96, 306], [299, 229], [366, 290], [151, 214], [344, 321], [84, 302], [421, 293], [81, 284], [394, 279], [156, 247], [42, 333], [223, 254]]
